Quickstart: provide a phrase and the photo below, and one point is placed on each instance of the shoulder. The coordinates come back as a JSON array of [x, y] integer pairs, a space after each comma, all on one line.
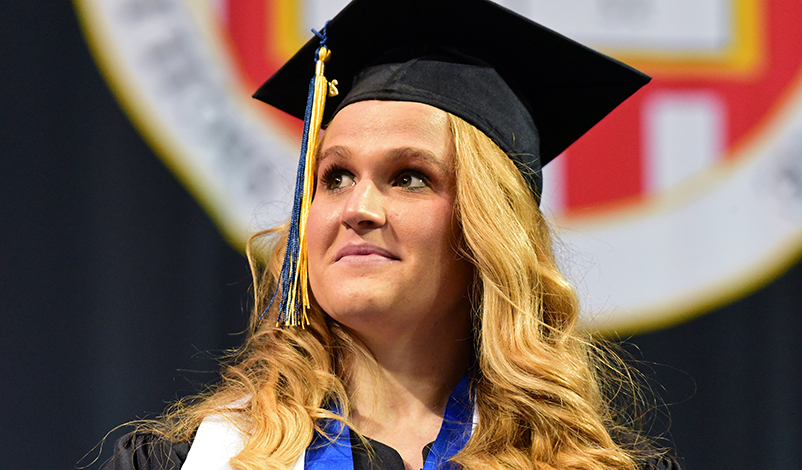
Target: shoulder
[[660, 462], [147, 451], [649, 456]]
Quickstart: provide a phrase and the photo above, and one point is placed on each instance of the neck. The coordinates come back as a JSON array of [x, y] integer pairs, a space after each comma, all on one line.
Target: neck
[[387, 383], [400, 390]]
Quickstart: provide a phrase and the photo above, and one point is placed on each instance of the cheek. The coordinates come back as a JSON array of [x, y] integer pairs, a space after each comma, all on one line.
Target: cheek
[[436, 233], [451, 241], [322, 229], [443, 271], [319, 224], [320, 233]]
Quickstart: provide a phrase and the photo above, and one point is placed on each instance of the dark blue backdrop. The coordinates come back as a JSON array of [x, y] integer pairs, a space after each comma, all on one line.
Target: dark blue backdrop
[[113, 282]]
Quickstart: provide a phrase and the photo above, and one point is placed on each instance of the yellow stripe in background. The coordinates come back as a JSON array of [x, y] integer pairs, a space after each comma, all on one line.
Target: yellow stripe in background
[[743, 57], [287, 22]]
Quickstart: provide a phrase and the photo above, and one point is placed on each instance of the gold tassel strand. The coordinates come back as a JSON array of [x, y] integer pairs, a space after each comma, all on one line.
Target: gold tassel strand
[[323, 88]]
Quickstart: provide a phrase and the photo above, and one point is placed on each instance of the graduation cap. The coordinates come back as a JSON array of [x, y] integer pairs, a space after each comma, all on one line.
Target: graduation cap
[[531, 90]]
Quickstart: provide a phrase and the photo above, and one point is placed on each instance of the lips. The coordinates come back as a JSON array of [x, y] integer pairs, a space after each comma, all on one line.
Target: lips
[[364, 250]]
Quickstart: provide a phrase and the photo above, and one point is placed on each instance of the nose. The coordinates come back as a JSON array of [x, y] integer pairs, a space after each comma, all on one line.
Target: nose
[[365, 207]]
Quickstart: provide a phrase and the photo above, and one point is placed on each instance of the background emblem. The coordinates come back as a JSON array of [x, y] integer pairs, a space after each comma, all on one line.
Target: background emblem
[[688, 196]]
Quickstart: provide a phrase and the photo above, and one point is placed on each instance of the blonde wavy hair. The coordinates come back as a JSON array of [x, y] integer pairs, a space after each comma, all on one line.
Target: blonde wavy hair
[[541, 398]]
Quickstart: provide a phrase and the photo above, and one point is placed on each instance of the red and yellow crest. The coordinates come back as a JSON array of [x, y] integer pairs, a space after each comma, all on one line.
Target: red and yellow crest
[[687, 196]]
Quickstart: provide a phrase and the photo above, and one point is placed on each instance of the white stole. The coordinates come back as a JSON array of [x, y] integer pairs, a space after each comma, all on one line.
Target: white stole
[[216, 442]]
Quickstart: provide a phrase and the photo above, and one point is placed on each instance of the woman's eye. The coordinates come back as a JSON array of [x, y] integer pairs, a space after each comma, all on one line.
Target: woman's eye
[[339, 180], [411, 181]]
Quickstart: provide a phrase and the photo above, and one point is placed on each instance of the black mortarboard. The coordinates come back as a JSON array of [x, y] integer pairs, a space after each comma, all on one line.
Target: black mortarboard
[[531, 90], [472, 58]]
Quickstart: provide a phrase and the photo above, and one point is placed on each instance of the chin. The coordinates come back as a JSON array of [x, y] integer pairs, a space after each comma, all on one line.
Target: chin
[[357, 309], [356, 296], [362, 313]]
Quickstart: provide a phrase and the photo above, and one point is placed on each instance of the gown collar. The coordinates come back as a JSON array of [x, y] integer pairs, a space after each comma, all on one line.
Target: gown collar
[[218, 440], [332, 451]]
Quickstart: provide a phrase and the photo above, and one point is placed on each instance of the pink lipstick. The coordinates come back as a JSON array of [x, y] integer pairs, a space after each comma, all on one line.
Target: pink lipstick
[[364, 250]]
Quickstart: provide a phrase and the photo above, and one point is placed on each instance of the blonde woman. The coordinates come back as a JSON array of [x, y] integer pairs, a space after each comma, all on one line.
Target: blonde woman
[[440, 331]]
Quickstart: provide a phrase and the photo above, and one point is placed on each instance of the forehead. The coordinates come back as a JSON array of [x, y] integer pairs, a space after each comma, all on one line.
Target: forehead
[[378, 125]]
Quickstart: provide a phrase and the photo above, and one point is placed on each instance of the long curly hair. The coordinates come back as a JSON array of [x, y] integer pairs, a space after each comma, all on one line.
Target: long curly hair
[[544, 391]]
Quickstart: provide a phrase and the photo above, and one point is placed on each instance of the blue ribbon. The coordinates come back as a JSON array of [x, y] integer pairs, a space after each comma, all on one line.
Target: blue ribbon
[[455, 430], [333, 451]]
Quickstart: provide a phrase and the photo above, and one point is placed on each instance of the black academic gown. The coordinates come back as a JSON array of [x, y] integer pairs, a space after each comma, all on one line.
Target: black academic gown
[[144, 451]]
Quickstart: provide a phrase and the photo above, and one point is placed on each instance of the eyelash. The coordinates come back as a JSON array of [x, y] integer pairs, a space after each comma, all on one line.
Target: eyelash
[[329, 174], [333, 171], [417, 174]]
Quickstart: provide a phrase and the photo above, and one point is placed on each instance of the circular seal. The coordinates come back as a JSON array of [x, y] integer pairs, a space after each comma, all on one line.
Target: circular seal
[[686, 197]]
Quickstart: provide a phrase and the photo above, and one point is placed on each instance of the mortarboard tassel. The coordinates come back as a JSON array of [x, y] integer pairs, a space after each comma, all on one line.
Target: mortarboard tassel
[[292, 282]]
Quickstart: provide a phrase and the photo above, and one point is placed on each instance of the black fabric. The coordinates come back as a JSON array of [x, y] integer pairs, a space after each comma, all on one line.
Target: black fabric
[[384, 456], [146, 451], [664, 462]]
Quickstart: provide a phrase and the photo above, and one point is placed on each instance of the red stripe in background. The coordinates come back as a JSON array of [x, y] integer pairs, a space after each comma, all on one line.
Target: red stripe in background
[[249, 24], [248, 28], [593, 179], [604, 167]]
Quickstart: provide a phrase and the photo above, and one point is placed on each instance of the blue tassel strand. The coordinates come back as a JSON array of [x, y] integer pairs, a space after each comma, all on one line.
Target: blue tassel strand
[[292, 282]]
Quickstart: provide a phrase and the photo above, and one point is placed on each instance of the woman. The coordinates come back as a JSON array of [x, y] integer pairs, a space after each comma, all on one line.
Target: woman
[[440, 332]]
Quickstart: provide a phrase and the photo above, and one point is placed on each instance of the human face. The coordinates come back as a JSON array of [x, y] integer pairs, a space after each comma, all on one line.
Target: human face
[[382, 232]]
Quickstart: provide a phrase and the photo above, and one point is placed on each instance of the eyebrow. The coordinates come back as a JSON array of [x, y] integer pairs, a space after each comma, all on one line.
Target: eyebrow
[[394, 154], [337, 150]]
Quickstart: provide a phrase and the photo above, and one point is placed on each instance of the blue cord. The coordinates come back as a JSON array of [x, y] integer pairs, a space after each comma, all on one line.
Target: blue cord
[[290, 265]]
